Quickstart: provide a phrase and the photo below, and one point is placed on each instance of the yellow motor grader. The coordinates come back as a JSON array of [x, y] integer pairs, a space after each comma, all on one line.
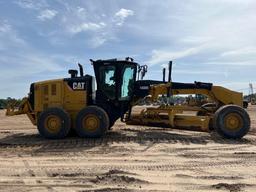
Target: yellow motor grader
[[57, 106]]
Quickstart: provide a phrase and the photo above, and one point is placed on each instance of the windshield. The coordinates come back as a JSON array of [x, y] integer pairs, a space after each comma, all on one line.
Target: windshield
[[127, 83]]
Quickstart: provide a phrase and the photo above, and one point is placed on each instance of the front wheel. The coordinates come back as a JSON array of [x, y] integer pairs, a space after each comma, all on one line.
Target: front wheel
[[231, 121], [92, 121], [54, 123]]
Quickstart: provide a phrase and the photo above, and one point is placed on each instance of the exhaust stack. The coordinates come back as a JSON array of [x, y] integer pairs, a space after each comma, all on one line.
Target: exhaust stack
[[170, 72], [81, 70], [164, 70]]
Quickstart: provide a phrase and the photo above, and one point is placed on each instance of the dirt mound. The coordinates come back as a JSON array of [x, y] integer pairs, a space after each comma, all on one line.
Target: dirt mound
[[230, 187], [116, 179], [66, 174], [108, 190], [116, 171], [210, 177], [117, 176]]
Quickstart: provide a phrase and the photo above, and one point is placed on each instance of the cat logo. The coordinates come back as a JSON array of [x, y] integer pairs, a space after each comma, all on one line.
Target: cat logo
[[78, 85]]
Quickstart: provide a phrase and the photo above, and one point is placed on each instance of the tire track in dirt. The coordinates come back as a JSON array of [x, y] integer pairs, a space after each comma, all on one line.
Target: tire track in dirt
[[29, 142], [195, 165], [30, 171], [34, 180]]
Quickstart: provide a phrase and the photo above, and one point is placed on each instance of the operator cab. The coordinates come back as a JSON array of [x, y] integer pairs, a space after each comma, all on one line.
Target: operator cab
[[115, 85], [115, 79]]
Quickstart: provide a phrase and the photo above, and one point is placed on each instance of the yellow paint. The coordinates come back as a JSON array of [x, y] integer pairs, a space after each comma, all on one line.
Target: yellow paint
[[52, 123], [218, 94], [53, 93], [233, 121], [91, 122], [171, 116]]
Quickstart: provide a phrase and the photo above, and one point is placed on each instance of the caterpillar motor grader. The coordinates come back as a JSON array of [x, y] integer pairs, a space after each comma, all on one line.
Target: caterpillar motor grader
[[57, 106]]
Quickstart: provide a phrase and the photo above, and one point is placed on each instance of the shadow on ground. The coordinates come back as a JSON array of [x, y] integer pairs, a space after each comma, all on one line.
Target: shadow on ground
[[144, 137]]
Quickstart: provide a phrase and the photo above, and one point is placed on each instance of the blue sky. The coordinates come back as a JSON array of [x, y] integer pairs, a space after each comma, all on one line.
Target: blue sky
[[208, 40]]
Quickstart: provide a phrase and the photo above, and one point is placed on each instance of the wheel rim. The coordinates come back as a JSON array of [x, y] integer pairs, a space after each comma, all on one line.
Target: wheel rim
[[233, 121], [52, 123], [91, 122]]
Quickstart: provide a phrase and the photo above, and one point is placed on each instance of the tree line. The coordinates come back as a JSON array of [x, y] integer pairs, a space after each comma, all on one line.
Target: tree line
[[9, 100]]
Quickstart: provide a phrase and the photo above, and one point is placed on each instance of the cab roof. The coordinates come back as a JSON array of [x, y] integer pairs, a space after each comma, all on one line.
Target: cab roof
[[115, 60]]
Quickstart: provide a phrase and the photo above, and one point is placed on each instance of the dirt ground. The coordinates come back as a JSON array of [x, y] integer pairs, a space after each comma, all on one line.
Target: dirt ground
[[129, 158]]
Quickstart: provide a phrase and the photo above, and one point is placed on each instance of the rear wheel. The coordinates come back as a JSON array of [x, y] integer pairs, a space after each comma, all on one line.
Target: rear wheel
[[92, 121], [231, 121], [54, 123]]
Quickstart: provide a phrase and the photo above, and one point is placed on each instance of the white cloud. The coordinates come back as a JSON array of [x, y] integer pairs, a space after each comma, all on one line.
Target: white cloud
[[29, 62], [121, 15], [240, 52], [245, 56], [160, 56], [47, 14], [198, 72], [165, 65], [4, 27], [32, 4], [9, 37], [232, 63], [240, 86], [196, 39], [26, 59], [24, 67], [97, 41], [80, 9], [97, 23], [19, 60], [86, 27]]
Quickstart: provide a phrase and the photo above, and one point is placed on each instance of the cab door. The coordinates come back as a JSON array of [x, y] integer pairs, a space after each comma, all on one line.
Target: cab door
[[108, 83], [128, 78]]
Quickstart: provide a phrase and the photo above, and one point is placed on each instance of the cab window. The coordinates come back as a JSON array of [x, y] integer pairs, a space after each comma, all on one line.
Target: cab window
[[108, 83], [127, 82]]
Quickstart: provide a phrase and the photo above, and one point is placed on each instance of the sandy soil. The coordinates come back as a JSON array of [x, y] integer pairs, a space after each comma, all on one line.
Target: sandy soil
[[129, 158]]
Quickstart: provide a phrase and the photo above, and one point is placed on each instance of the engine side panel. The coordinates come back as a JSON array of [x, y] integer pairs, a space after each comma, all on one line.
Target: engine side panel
[[71, 94]]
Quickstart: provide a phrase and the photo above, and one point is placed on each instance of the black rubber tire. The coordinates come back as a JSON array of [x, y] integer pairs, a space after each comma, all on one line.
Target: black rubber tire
[[65, 123], [103, 122], [245, 104], [219, 124]]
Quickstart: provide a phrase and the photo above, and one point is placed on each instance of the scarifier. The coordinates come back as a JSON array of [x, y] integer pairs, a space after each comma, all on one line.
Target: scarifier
[[57, 106]]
